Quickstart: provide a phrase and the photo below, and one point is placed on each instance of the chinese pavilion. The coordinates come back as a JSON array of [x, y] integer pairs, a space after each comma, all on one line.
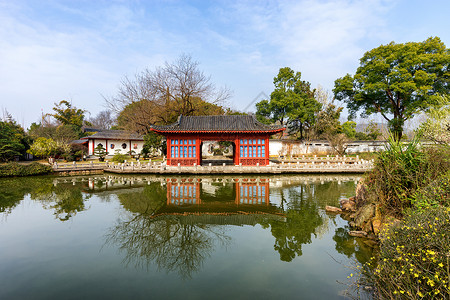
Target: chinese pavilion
[[250, 138]]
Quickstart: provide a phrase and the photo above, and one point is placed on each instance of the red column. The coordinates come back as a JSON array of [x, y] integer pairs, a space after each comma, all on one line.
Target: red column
[[169, 145], [266, 143], [237, 153], [198, 143]]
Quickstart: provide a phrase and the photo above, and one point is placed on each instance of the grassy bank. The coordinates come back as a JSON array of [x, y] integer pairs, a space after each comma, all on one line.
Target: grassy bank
[[410, 188], [15, 169]]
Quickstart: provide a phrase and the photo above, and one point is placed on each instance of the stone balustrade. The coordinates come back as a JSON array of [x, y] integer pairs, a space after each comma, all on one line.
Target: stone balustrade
[[326, 165]]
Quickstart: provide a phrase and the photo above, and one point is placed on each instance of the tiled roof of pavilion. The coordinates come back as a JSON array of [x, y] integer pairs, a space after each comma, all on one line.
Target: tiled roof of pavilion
[[232, 123], [115, 135]]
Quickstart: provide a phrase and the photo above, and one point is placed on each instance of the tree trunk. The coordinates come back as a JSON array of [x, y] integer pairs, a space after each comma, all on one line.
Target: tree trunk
[[396, 127]]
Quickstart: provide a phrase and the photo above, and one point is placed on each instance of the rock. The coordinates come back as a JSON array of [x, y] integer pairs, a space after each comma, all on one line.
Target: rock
[[367, 226], [364, 214], [372, 237], [348, 205], [345, 216], [376, 226], [333, 209], [358, 233], [361, 194]]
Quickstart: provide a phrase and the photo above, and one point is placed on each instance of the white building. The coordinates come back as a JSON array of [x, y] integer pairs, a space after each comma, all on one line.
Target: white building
[[115, 141]]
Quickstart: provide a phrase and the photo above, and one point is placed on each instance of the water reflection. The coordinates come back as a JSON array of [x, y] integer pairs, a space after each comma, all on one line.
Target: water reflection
[[177, 223], [65, 198], [168, 242], [361, 249], [302, 220]]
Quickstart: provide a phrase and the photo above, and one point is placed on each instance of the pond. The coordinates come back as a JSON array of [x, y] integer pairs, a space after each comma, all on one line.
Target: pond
[[116, 237]]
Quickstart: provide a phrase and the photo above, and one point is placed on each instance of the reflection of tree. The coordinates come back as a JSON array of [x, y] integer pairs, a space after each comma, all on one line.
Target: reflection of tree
[[68, 201], [302, 219], [65, 198], [173, 246], [145, 201], [11, 194], [167, 240], [345, 244]]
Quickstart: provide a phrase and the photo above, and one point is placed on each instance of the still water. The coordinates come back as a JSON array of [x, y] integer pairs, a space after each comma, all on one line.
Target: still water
[[136, 237]]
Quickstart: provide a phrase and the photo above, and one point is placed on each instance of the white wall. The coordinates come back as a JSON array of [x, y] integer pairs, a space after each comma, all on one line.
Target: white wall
[[117, 146], [295, 148]]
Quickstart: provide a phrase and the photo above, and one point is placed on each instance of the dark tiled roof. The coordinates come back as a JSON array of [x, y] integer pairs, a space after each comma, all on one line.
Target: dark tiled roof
[[78, 142], [233, 123], [91, 129], [115, 135]]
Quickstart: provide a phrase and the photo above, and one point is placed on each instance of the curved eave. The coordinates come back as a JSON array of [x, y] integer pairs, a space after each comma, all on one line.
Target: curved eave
[[272, 131]]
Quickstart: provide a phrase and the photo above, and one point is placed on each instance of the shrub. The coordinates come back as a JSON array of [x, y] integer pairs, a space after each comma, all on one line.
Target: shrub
[[414, 257], [118, 157], [361, 136], [402, 171], [101, 152], [434, 194], [15, 169]]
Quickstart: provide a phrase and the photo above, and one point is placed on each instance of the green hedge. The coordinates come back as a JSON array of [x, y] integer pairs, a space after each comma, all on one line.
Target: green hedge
[[15, 169]]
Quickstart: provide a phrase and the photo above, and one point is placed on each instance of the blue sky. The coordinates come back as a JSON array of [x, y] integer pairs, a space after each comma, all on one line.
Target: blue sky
[[80, 50]]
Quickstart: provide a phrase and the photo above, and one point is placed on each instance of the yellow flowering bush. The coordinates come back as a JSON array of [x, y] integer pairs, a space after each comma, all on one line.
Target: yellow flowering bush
[[414, 257]]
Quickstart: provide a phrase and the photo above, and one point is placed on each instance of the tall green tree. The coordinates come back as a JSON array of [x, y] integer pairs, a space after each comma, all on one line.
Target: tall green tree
[[397, 81], [13, 140], [291, 103], [349, 129], [69, 116]]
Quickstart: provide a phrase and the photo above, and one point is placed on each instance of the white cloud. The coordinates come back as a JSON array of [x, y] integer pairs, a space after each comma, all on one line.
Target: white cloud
[[42, 64], [83, 52]]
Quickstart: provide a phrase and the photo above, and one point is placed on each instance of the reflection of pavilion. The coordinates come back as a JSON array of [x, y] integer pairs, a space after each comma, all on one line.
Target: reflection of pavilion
[[252, 192], [189, 197], [187, 191]]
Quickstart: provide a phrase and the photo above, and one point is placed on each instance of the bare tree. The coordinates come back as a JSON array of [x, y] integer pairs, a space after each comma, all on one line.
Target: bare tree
[[322, 96], [159, 96], [103, 120]]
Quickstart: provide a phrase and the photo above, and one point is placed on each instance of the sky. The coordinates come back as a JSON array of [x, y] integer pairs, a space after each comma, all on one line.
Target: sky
[[80, 50]]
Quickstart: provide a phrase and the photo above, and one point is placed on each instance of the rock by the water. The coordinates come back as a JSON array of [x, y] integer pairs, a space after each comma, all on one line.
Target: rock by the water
[[364, 215], [376, 225], [361, 193], [348, 205], [358, 233], [333, 209]]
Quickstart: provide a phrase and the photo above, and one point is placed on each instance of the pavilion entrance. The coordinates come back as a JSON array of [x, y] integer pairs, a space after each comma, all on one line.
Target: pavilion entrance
[[218, 153]]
